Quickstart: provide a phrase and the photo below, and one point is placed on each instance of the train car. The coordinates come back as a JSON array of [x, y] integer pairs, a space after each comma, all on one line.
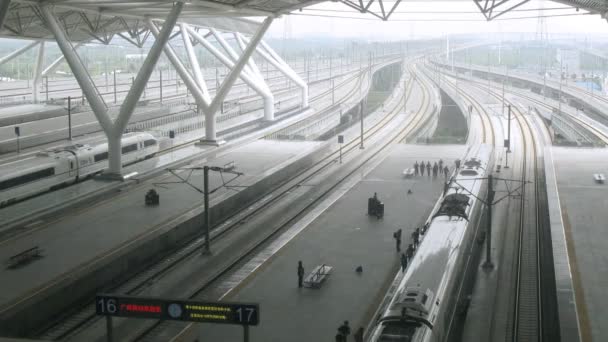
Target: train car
[[425, 304], [51, 169]]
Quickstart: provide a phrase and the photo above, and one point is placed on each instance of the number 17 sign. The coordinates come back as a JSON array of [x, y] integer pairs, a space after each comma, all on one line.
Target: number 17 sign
[[109, 305]]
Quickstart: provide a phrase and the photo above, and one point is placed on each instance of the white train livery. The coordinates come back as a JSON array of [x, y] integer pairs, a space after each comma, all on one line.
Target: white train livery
[[425, 303], [51, 169]]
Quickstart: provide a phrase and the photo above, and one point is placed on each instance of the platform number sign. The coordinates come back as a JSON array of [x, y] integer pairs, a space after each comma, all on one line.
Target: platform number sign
[[106, 306], [178, 310]]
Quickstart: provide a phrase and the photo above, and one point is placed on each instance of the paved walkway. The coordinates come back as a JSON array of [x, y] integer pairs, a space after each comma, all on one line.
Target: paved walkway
[[343, 237]]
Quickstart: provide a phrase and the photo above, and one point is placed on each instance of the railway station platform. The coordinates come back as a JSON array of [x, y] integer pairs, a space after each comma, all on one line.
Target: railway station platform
[[83, 240], [340, 234], [577, 204]]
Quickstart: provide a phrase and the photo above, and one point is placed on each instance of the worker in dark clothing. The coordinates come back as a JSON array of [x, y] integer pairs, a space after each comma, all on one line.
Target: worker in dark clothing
[[446, 171], [344, 329], [422, 169], [435, 169], [359, 335], [300, 273], [409, 252], [428, 168], [340, 337], [397, 236], [403, 262], [457, 162], [416, 168], [440, 164], [416, 237]]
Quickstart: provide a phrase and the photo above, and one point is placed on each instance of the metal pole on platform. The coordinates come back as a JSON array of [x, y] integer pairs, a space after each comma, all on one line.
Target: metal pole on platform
[[46, 86], [488, 262], [404, 93], [206, 247], [361, 115], [245, 333], [109, 329], [161, 86], [509, 129], [69, 117], [115, 95]]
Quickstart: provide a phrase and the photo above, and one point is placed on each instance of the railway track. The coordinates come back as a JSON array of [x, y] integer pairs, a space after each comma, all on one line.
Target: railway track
[[158, 330], [488, 134], [85, 316], [602, 136], [528, 321]]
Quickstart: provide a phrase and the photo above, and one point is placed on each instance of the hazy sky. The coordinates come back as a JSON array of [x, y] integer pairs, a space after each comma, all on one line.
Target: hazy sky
[[425, 19]]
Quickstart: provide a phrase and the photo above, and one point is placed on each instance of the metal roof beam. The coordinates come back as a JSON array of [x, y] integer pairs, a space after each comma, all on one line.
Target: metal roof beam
[[3, 11]]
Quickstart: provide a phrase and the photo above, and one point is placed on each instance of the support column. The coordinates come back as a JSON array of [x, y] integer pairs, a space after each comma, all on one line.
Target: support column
[[280, 64], [231, 53], [254, 68], [264, 92], [137, 88], [3, 11], [198, 75], [17, 52], [181, 69], [113, 130], [37, 81], [80, 73], [234, 73]]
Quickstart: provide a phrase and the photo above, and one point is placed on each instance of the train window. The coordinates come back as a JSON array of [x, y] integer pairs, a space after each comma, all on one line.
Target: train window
[[129, 148], [101, 156], [149, 142], [29, 177]]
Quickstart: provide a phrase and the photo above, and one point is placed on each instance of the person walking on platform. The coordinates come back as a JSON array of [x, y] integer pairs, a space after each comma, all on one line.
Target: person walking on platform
[[435, 169], [446, 171], [422, 168], [428, 168], [300, 273], [397, 236], [403, 262], [416, 168], [344, 329], [359, 335], [416, 238], [409, 252], [440, 164], [457, 163]]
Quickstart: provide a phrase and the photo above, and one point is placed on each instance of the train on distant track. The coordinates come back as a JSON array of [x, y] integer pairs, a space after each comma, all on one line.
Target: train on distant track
[[425, 304], [51, 169]]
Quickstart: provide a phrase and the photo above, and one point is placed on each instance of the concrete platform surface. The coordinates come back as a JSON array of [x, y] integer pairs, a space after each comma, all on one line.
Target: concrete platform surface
[[343, 237], [78, 238], [584, 216]]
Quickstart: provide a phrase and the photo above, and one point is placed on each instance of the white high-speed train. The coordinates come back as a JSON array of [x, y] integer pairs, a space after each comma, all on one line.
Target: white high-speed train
[[424, 305], [51, 169]]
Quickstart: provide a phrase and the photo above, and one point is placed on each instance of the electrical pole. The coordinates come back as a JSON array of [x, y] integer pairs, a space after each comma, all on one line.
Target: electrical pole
[[404, 93], [207, 218], [488, 263]]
